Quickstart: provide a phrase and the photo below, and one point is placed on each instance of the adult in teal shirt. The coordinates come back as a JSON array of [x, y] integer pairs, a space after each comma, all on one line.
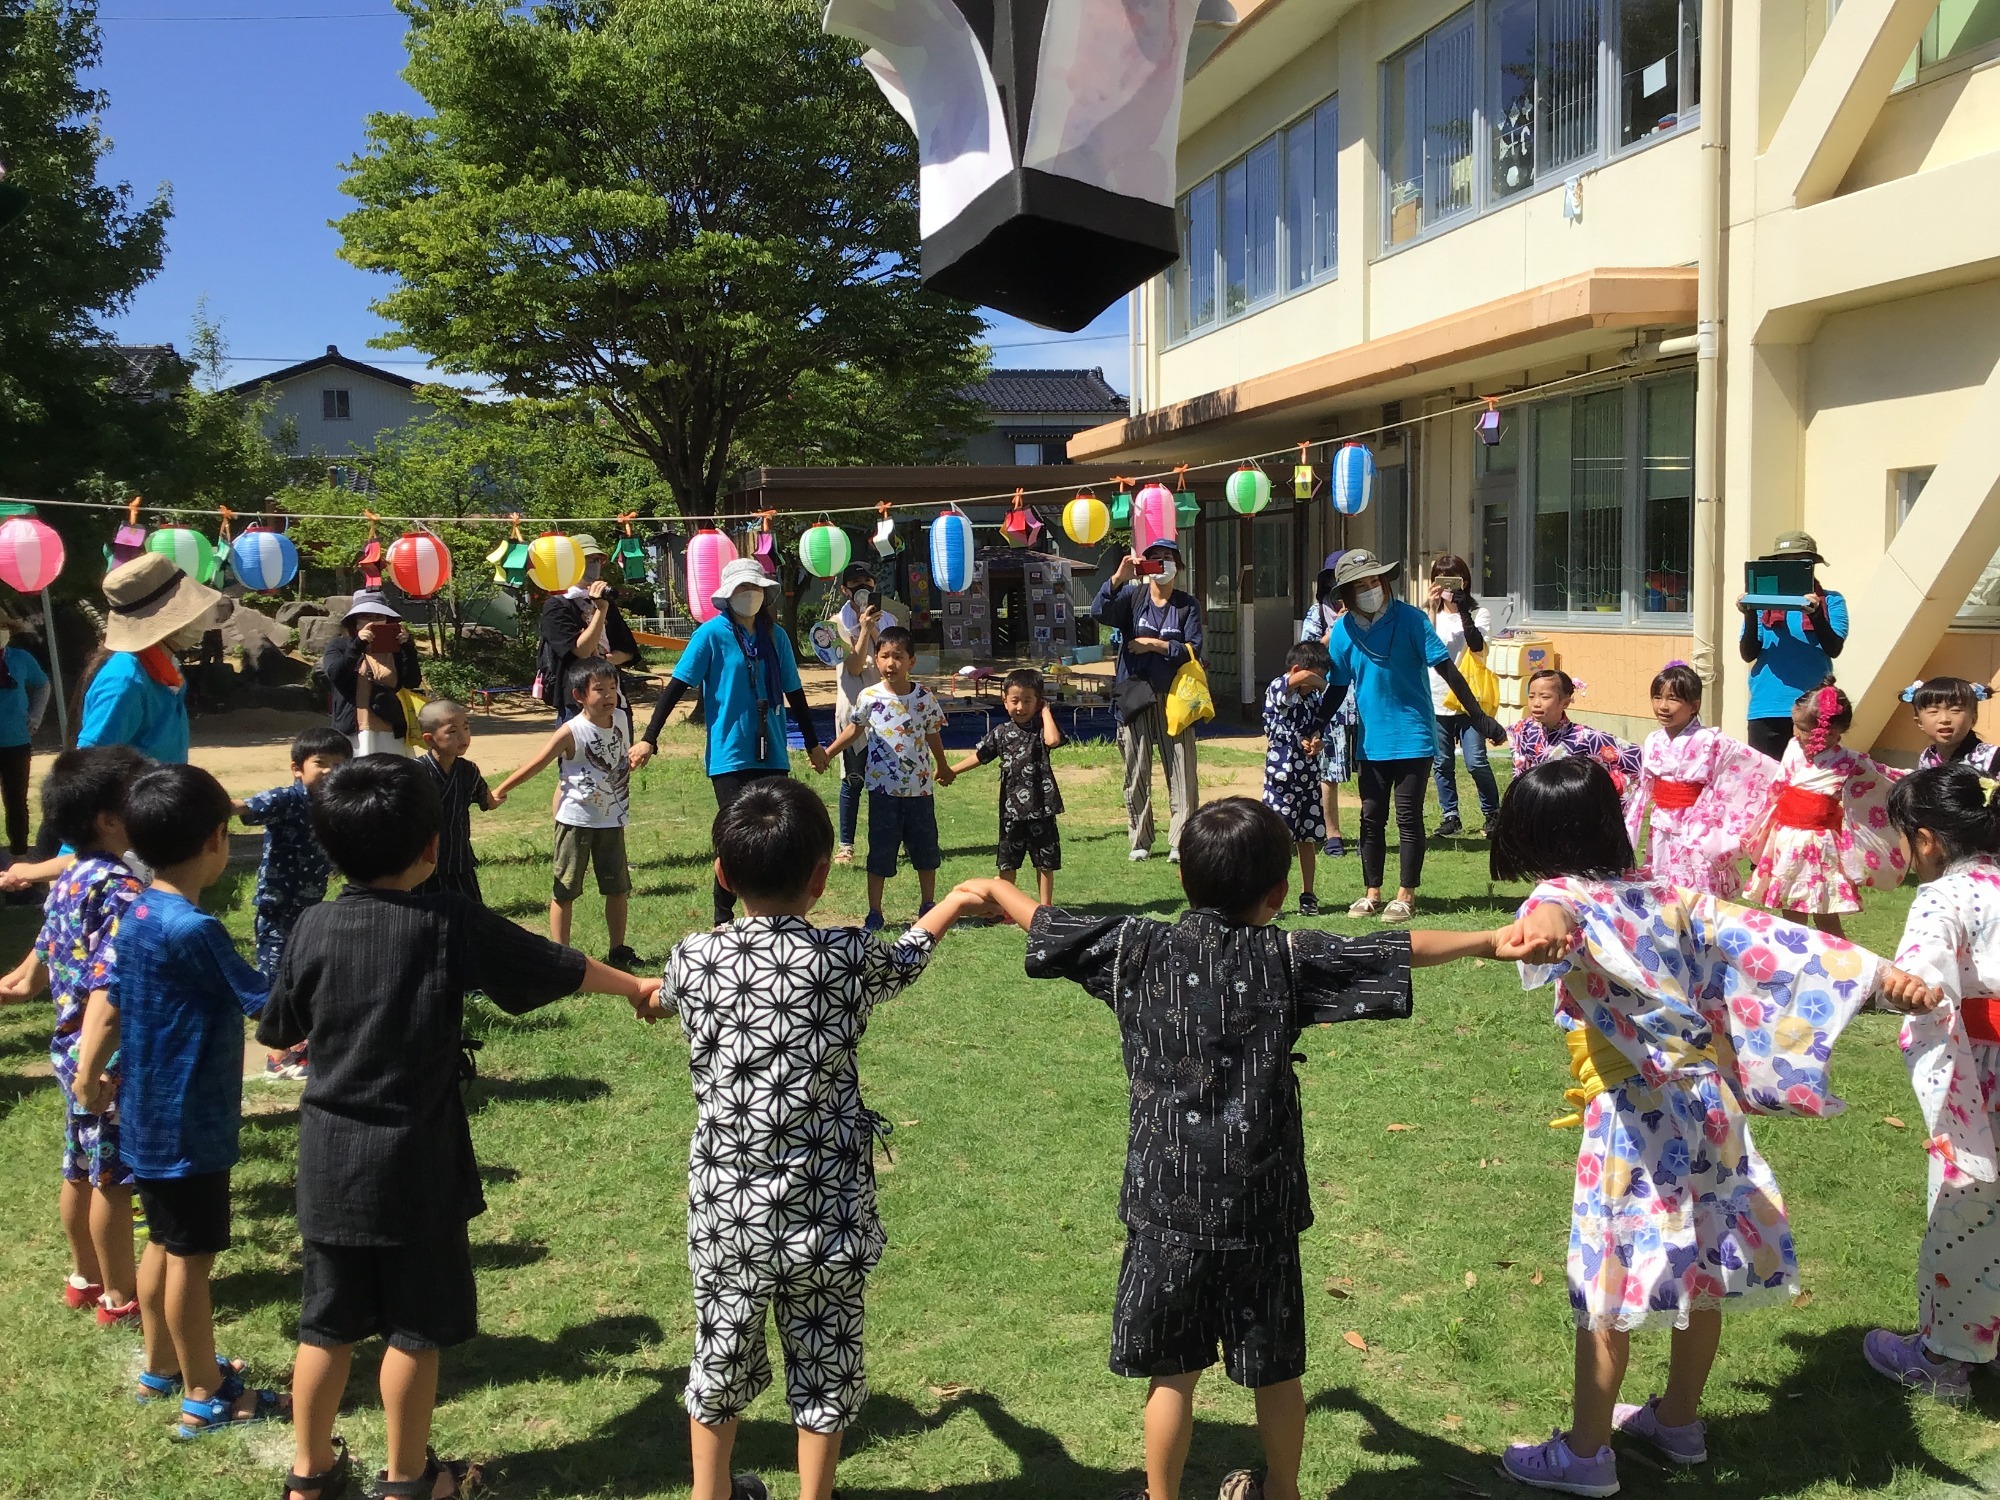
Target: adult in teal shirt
[[742, 664], [1790, 651], [1384, 652], [132, 692], [24, 695]]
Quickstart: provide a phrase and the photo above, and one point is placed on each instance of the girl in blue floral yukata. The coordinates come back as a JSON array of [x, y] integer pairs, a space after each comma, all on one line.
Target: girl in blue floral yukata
[[1683, 1015]]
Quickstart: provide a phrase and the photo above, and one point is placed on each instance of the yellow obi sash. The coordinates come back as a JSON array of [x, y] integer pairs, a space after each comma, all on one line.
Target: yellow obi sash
[[1596, 1065]]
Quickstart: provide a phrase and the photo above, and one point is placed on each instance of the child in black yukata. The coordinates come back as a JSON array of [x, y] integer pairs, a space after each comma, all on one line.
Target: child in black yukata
[[375, 980], [447, 731], [1292, 730], [1209, 1011], [781, 1169], [1029, 797]]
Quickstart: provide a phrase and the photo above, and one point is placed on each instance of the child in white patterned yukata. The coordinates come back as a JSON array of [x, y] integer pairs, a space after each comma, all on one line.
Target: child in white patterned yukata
[[1683, 1016], [781, 1169], [1952, 940], [1029, 797], [1292, 756]]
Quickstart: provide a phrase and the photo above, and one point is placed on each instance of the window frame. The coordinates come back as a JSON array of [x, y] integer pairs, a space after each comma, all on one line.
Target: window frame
[[1179, 278], [335, 405]]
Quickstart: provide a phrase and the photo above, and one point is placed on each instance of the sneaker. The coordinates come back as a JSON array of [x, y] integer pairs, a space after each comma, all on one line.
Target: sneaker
[[1138, 856], [1682, 1445], [1173, 856], [1308, 904], [1333, 848], [1551, 1466], [1241, 1484], [289, 1064], [1398, 911], [873, 922], [79, 1294], [624, 958], [844, 855], [924, 909], [1449, 827], [110, 1317], [748, 1487], [1367, 906], [1903, 1359]]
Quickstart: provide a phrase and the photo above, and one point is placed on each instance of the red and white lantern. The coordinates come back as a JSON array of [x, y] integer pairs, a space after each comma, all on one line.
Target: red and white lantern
[[31, 554], [419, 563], [708, 553], [1152, 517]]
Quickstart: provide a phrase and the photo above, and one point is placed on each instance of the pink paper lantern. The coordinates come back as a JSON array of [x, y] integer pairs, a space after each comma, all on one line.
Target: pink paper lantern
[[31, 554], [1152, 517], [709, 552], [419, 563]]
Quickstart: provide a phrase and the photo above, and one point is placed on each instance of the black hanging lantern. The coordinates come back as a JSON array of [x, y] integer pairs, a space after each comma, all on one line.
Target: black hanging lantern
[[1047, 132]]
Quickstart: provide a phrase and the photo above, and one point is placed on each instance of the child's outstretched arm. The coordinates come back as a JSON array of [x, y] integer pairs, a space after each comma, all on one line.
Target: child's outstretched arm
[[945, 774], [1905, 992], [1430, 946], [551, 748], [25, 980], [642, 992], [847, 737], [1013, 903], [99, 1040], [957, 903], [1544, 936], [971, 762]]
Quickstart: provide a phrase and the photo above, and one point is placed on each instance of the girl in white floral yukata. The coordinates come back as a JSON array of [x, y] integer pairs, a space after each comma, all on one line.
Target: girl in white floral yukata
[[1703, 792], [1952, 940], [1826, 835], [1683, 1016]]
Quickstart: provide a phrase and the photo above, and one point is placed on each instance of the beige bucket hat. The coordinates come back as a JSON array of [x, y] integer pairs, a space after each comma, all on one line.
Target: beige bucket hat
[[149, 599]]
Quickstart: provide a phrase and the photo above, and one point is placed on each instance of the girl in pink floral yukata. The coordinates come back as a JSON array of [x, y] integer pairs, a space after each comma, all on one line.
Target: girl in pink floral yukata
[[1826, 834], [1952, 940], [1683, 1016], [1702, 791]]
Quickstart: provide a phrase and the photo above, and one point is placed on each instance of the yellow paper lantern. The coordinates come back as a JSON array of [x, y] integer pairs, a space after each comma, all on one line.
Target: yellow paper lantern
[[1086, 519], [554, 563]]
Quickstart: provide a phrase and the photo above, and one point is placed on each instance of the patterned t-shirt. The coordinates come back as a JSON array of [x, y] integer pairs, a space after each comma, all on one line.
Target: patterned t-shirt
[[1028, 787], [898, 727], [78, 931], [294, 868]]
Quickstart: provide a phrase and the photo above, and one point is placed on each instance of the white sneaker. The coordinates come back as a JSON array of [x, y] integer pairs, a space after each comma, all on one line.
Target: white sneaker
[[1138, 856], [1173, 856]]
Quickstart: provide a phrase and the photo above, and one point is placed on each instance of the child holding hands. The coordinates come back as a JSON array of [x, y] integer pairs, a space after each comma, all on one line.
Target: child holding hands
[[1291, 756], [1029, 796], [447, 731]]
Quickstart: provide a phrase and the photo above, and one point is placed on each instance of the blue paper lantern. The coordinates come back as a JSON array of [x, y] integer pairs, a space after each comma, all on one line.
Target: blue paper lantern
[[263, 561], [951, 552], [1353, 479]]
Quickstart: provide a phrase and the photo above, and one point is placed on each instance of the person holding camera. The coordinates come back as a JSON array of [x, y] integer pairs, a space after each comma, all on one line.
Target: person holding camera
[[577, 624], [1790, 651], [367, 665], [1462, 625], [1159, 628]]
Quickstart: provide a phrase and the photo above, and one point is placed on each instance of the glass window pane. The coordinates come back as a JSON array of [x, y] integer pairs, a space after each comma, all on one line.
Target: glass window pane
[[1493, 545], [1690, 56], [1299, 181], [1449, 86], [1219, 534], [1550, 571], [1504, 457], [1958, 27], [1263, 227], [1597, 503], [1566, 119], [1649, 67], [1201, 254], [1666, 494], [1510, 92], [1271, 556], [1177, 277], [1326, 191], [1235, 239], [1403, 133]]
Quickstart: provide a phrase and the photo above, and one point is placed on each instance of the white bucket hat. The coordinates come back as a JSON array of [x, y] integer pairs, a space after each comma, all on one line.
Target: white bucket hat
[[736, 574]]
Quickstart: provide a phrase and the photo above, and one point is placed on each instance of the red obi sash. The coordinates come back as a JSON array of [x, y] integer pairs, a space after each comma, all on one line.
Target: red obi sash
[[1981, 1014], [1677, 795], [1803, 809]]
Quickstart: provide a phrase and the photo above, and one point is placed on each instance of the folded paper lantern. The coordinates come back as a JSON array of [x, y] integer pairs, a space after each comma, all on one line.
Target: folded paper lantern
[[419, 563], [825, 550], [1353, 479], [1248, 490], [886, 543], [188, 550], [951, 552], [263, 561], [554, 562], [1046, 141], [630, 555], [1086, 519], [1152, 517], [1187, 507], [31, 554], [126, 545], [708, 553], [1304, 481], [1121, 508]]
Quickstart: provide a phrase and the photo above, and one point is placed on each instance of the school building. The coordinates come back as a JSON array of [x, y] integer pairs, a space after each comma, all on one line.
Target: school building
[[1734, 269]]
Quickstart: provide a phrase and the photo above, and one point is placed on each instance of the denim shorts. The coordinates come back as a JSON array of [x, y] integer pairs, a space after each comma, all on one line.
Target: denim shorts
[[901, 822]]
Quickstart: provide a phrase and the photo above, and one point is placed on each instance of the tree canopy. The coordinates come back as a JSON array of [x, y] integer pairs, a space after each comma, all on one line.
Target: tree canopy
[[697, 215]]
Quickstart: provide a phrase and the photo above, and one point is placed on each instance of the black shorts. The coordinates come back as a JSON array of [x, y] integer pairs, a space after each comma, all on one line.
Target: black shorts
[[419, 1296], [1030, 840], [1176, 1303], [895, 823], [187, 1215]]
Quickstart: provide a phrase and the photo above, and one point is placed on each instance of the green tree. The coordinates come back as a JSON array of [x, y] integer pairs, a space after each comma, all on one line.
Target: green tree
[[700, 215]]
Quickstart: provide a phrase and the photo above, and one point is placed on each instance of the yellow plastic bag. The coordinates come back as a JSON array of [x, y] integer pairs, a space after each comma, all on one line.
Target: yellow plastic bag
[[1479, 677], [413, 704], [1188, 701]]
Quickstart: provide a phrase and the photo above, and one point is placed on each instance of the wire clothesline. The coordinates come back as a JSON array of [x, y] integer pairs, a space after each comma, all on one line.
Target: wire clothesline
[[876, 508]]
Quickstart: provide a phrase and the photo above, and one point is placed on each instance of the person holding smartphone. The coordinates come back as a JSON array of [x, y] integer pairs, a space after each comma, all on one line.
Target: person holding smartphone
[[1462, 625], [858, 624], [367, 665], [1159, 628]]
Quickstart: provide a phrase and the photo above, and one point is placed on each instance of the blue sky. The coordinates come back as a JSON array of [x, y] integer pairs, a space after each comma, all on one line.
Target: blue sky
[[249, 119]]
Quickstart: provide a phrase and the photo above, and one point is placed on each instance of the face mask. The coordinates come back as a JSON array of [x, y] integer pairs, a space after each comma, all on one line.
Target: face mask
[[1167, 571], [188, 636], [745, 603], [862, 599], [593, 569], [1369, 600]]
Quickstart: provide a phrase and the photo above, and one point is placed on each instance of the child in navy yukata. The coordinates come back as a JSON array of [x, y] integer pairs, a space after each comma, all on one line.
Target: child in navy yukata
[[292, 874], [83, 803], [447, 731], [1946, 709], [781, 1176], [1546, 732], [1292, 756], [1030, 800]]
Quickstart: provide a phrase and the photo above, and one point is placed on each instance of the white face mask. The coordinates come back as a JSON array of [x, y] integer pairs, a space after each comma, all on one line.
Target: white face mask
[[745, 603], [1167, 570], [1369, 600], [189, 636]]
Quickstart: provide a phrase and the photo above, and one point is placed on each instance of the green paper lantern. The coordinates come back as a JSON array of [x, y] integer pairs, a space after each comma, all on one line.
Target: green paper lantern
[[1187, 509], [630, 554], [825, 550], [1121, 508], [188, 550], [1248, 490]]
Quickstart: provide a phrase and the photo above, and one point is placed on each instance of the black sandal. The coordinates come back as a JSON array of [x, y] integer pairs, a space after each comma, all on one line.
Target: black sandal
[[331, 1484], [465, 1475]]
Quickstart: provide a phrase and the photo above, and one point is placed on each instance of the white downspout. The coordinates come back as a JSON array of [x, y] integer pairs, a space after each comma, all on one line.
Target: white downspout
[[1135, 312], [1707, 591]]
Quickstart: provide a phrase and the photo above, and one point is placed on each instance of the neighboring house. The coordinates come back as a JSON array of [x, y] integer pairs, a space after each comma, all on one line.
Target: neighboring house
[[1781, 315], [334, 404], [1035, 413], [147, 372]]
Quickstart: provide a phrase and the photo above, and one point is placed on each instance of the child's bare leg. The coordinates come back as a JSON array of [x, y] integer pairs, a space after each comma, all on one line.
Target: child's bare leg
[[927, 886], [818, 1453], [1601, 1357], [191, 1321], [75, 1209], [615, 908], [1307, 853], [1008, 876], [1828, 922], [559, 915], [111, 1237], [1332, 791], [161, 1358], [1687, 1368], [409, 1396], [1169, 1429], [1281, 1424], [319, 1379], [712, 1447], [875, 884], [1045, 887]]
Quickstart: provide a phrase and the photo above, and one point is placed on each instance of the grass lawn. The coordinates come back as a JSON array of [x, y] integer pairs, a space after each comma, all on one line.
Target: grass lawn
[[1438, 1247]]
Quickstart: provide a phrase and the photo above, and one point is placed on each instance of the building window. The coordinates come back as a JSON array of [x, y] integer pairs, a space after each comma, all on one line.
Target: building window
[[1957, 28], [1427, 128], [1261, 228], [1607, 493], [1494, 489], [333, 406], [1659, 77], [1982, 605], [1055, 451]]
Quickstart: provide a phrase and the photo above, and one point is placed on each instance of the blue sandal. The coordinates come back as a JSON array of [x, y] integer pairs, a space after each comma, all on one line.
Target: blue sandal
[[219, 1411], [154, 1387]]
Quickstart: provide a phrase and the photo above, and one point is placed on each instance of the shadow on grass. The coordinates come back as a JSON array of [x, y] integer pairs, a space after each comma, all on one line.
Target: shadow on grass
[[507, 1255], [28, 1042], [14, 1087], [557, 1090], [240, 1292], [1121, 908]]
